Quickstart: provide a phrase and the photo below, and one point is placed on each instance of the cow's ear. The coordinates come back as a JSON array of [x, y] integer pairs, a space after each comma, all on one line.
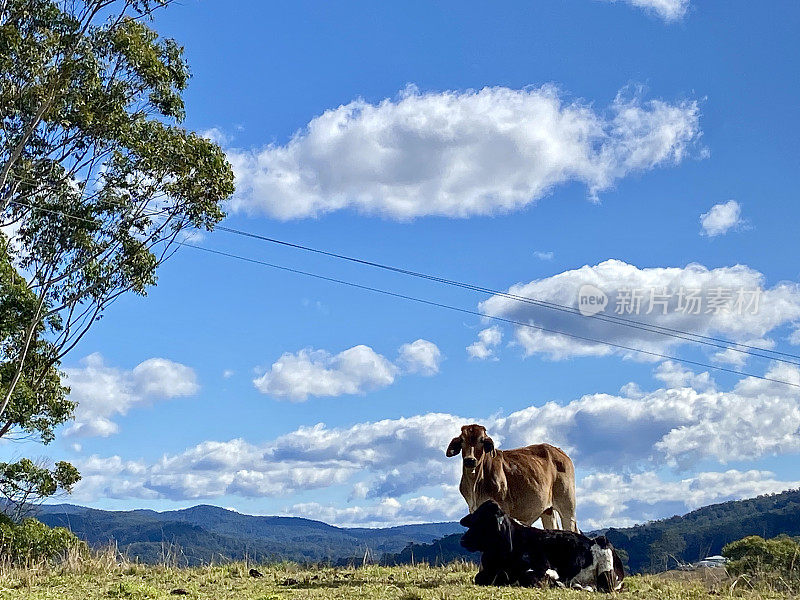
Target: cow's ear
[[488, 446], [454, 447]]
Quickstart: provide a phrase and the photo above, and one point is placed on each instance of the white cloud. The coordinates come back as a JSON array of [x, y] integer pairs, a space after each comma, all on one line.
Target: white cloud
[[379, 445], [485, 346], [541, 255], [103, 392], [762, 309], [213, 469], [111, 477], [208, 470], [669, 10], [605, 499], [598, 429], [448, 505], [216, 135], [678, 426], [458, 153], [360, 491], [676, 376], [611, 499], [356, 370], [631, 390], [721, 218], [159, 377], [420, 356], [757, 418], [397, 481], [397, 472], [738, 359], [307, 458]]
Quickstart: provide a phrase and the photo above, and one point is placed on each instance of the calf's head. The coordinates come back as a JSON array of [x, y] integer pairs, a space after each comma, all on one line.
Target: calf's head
[[473, 443], [488, 530]]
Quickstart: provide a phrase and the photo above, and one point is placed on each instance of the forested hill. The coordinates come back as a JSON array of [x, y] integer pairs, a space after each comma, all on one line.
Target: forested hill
[[703, 532], [648, 547], [204, 534]]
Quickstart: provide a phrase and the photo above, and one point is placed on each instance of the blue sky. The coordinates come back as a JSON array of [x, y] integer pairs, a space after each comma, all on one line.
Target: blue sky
[[545, 144]]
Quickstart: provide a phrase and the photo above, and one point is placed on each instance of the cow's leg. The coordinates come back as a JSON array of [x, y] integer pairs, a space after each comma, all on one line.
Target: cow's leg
[[564, 503], [536, 571], [492, 577], [484, 578], [490, 572], [549, 519], [568, 521], [567, 514]]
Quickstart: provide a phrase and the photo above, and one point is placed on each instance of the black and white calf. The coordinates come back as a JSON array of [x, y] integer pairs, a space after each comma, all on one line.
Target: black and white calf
[[513, 553]]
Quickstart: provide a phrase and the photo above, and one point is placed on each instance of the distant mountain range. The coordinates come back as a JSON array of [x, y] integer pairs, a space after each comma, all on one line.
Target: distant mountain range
[[205, 534]]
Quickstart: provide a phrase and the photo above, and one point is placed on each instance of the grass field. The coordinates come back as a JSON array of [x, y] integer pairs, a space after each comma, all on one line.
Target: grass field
[[233, 582]]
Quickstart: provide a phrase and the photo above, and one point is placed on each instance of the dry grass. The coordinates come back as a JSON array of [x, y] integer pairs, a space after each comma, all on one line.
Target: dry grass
[[109, 575]]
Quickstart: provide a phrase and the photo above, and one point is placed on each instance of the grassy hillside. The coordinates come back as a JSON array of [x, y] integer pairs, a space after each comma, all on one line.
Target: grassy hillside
[[232, 582], [205, 534]]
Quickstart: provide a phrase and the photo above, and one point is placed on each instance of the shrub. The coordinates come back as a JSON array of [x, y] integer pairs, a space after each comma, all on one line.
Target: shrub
[[756, 556], [30, 541]]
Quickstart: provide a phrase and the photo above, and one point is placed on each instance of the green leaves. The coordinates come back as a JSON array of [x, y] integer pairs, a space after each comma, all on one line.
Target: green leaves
[[30, 542], [754, 555], [38, 401], [158, 64], [98, 180], [97, 176], [24, 483]]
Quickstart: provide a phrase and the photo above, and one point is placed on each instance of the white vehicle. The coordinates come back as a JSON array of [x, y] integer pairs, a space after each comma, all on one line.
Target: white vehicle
[[712, 561]]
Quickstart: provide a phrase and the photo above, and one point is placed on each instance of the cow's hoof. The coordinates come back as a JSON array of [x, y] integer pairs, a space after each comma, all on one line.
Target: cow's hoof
[[583, 588]]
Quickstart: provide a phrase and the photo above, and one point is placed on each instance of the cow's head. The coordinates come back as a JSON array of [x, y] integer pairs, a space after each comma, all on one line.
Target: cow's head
[[488, 530], [473, 443], [610, 572]]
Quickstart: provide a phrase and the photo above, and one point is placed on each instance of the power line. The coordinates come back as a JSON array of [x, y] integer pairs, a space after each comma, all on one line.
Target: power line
[[476, 313], [542, 303], [651, 328], [696, 338]]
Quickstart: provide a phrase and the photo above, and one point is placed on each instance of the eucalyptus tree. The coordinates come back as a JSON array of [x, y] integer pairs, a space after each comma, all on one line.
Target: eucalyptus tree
[[99, 182]]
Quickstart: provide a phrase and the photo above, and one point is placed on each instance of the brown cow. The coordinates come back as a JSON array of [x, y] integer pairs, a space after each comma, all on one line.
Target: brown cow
[[527, 483]]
